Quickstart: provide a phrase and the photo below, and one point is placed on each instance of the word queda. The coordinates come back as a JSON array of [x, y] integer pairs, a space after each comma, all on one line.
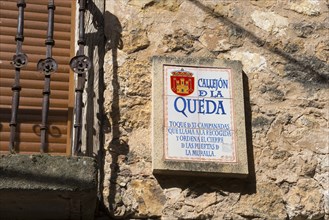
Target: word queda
[[187, 106]]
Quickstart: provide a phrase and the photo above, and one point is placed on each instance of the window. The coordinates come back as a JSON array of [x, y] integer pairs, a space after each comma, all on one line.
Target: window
[[32, 81]]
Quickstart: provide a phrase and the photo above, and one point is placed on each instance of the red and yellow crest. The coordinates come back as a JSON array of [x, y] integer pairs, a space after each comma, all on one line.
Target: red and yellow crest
[[182, 82]]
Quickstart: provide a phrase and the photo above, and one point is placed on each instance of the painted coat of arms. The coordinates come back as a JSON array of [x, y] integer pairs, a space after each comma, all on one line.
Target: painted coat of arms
[[182, 82]]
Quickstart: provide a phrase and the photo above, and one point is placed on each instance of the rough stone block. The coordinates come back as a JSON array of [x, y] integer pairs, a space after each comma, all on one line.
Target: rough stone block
[[47, 187]]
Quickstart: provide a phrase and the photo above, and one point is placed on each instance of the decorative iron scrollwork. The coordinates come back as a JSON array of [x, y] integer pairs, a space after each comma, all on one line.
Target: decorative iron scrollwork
[[80, 64], [19, 60], [47, 66]]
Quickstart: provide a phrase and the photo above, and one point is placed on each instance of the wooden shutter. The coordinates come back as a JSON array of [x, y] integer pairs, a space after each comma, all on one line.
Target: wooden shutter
[[32, 81]]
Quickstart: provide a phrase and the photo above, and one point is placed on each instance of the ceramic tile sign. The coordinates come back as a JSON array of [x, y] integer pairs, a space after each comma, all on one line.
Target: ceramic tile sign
[[198, 116]]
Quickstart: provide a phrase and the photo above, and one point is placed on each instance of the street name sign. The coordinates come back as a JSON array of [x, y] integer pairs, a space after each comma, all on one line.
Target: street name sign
[[198, 117]]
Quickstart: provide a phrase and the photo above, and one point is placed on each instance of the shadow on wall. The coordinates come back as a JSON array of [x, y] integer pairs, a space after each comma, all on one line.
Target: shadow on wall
[[111, 34], [95, 41], [118, 149], [309, 71]]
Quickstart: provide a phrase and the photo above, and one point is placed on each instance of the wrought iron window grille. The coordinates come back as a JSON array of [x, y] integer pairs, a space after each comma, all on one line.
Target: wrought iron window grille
[[80, 64]]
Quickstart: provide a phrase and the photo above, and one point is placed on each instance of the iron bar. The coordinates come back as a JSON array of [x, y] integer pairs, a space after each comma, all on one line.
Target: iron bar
[[19, 61], [47, 66], [80, 64]]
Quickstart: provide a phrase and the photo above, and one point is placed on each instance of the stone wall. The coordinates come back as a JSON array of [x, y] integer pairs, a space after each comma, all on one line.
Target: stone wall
[[284, 48]]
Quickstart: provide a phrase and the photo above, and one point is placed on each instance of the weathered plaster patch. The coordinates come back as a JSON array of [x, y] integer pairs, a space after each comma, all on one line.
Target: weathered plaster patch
[[270, 22], [252, 62], [307, 7]]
